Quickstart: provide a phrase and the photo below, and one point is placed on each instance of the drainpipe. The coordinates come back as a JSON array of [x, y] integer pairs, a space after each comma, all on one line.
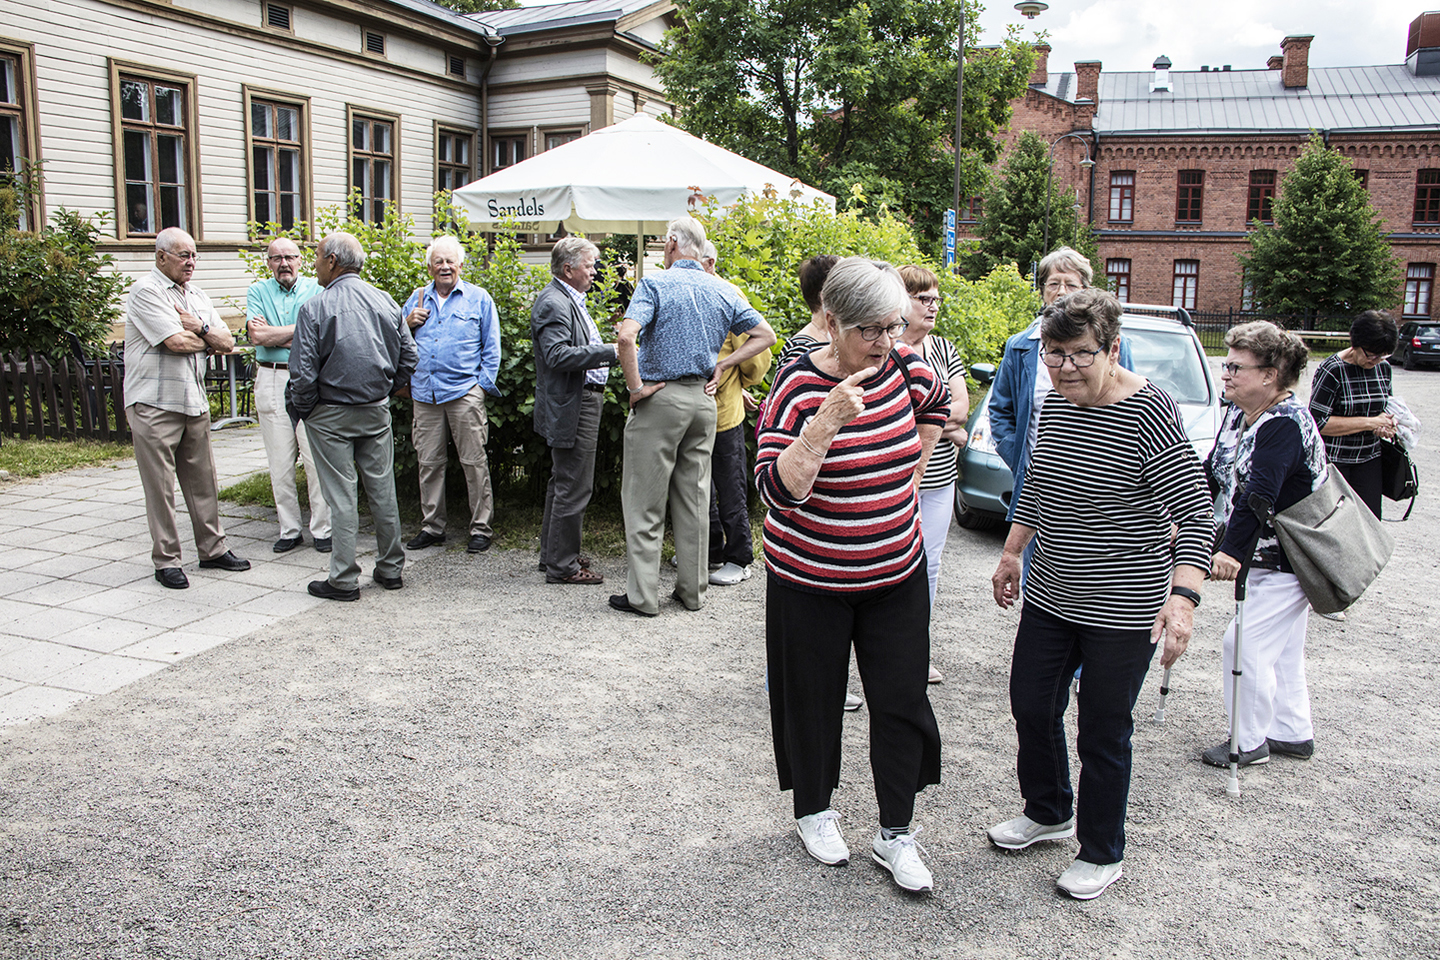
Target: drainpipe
[[492, 40], [1095, 153]]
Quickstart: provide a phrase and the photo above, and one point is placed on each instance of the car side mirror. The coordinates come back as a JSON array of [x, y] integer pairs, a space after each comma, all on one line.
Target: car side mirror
[[982, 373]]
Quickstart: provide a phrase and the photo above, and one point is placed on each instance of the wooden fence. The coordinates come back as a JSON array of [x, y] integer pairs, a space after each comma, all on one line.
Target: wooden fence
[[69, 398]]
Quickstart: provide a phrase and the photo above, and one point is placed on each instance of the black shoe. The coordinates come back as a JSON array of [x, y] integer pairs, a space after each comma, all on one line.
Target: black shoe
[[1299, 749], [172, 577], [621, 601], [322, 544], [226, 561], [286, 544], [478, 544], [1219, 755], [390, 583], [424, 539], [540, 566], [326, 590]]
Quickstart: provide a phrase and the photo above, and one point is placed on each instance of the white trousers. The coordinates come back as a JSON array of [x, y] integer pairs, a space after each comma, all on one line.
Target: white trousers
[[1274, 700], [283, 443], [937, 508]]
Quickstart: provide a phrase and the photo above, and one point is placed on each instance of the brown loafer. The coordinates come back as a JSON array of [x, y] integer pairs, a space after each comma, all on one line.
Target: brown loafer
[[582, 577]]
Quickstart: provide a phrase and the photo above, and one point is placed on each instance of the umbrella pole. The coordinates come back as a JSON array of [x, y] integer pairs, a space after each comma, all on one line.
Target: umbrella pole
[[639, 249]]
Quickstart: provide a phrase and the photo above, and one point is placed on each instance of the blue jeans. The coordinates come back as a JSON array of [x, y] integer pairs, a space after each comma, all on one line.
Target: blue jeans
[[1048, 650]]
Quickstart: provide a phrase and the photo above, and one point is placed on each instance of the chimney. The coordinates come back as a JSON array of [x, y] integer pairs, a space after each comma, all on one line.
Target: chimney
[[1041, 74], [1162, 74], [1295, 72], [1275, 63], [1422, 45], [1087, 80]]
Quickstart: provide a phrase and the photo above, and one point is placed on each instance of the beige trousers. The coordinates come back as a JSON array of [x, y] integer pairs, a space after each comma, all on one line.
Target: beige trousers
[[171, 446], [434, 423]]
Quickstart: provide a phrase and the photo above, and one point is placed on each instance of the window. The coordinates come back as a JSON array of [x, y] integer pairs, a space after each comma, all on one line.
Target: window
[[1427, 196], [453, 153], [155, 169], [972, 210], [1364, 177], [277, 16], [1188, 196], [507, 150], [455, 66], [16, 111], [1262, 196], [278, 167], [1118, 272], [1419, 283], [373, 171], [553, 140], [1187, 279], [1122, 196], [375, 43]]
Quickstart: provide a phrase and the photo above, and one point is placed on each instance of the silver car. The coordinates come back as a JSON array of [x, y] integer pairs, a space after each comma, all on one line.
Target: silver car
[[1164, 349]]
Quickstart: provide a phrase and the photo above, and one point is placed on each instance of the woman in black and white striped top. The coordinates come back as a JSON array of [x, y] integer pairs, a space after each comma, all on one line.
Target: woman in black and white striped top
[[1111, 476]]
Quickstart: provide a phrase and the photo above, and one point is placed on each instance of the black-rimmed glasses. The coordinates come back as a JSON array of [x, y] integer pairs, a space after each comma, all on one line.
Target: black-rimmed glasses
[[1080, 359], [871, 334]]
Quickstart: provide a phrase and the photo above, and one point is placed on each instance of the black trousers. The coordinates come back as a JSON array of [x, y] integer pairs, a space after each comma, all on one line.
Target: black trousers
[[808, 637], [1365, 478], [730, 499], [1047, 652]]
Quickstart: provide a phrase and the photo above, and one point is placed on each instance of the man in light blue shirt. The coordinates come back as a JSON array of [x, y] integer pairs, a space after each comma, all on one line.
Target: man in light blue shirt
[[270, 308], [457, 334]]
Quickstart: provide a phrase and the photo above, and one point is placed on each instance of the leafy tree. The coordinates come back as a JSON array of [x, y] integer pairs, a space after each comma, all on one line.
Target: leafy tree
[[838, 95], [1012, 227], [478, 6], [1327, 252]]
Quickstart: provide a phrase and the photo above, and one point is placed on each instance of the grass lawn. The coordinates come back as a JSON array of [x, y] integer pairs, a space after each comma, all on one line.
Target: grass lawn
[[35, 458]]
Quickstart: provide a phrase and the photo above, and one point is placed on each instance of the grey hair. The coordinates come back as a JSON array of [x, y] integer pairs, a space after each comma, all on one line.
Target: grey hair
[[167, 239], [443, 244], [1064, 260], [1272, 347], [348, 253], [709, 253], [689, 235], [567, 253], [859, 291]]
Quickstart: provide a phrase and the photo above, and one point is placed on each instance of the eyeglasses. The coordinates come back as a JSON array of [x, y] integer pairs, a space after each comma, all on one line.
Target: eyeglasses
[[1080, 359], [1234, 368], [928, 302], [284, 258], [871, 334], [1370, 354], [187, 257], [1061, 286]]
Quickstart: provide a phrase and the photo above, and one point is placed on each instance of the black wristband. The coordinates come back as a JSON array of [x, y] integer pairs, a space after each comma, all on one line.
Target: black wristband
[[1192, 595]]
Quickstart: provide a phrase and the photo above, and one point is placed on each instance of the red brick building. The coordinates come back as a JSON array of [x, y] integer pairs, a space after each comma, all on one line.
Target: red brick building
[[1184, 160]]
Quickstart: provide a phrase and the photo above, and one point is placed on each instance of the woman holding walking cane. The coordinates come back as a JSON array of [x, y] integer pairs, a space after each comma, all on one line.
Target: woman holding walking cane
[[1111, 474], [1268, 446]]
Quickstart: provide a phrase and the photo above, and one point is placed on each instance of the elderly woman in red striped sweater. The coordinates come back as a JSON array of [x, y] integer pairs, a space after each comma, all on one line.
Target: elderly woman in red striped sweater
[[843, 440]]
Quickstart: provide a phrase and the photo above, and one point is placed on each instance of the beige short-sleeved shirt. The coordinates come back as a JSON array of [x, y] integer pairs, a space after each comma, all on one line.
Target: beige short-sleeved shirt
[[155, 375]]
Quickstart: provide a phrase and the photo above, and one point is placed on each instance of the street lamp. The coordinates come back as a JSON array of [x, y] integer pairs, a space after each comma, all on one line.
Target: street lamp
[[1086, 164], [1030, 10]]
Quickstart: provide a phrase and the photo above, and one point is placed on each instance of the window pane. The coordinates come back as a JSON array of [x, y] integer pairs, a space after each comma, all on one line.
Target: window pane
[[260, 120], [288, 170], [288, 207], [287, 123], [167, 106], [172, 207], [359, 176], [9, 89], [443, 148], [170, 152], [358, 139], [264, 207], [137, 155], [139, 202], [382, 138], [462, 150], [134, 100], [264, 172], [9, 144], [382, 180]]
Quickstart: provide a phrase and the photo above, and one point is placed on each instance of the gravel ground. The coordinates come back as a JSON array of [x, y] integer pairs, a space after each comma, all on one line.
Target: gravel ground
[[485, 766]]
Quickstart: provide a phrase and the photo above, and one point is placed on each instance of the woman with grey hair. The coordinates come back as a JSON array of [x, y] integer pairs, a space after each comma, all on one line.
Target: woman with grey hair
[[1110, 474], [842, 442], [1268, 446]]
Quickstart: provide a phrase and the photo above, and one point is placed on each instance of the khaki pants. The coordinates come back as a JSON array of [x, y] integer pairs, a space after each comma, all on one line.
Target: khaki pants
[[284, 441], [434, 423], [668, 441], [171, 446]]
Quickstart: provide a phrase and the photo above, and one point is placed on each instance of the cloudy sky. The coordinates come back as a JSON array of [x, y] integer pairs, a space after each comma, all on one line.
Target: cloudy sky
[[1130, 34]]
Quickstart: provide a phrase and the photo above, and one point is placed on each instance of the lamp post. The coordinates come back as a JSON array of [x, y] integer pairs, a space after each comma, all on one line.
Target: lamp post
[[1030, 10], [1087, 163]]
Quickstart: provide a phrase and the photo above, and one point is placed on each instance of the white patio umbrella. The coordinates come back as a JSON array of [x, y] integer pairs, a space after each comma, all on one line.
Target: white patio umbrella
[[633, 177]]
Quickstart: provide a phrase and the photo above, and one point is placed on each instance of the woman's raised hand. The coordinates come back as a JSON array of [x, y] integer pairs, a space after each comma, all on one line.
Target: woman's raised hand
[[846, 401]]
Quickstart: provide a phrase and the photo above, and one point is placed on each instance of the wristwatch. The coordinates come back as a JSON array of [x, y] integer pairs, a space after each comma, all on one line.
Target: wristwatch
[[1192, 595], [204, 329]]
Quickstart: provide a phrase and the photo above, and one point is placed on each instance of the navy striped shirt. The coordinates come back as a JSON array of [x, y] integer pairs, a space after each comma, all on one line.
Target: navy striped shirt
[[1104, 485], [859, 529]]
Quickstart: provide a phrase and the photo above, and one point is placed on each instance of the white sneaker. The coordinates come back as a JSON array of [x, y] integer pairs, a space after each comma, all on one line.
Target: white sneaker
[[1019, 833], [1338, 617], [935, 675], [1086, 881], [901, 856], [852, 702], [729, 574], [821, 833]]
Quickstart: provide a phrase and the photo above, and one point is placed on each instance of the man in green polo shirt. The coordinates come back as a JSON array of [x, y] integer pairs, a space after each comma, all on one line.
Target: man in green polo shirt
[[271, 306]]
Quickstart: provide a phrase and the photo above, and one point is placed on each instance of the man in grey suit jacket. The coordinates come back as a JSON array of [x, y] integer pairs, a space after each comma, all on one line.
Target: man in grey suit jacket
[[570, 374]]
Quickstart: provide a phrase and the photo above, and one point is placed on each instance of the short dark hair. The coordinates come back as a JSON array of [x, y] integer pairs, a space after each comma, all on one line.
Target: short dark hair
[[1088, 311], [1374, 331], [812, 278], [1271, 347]]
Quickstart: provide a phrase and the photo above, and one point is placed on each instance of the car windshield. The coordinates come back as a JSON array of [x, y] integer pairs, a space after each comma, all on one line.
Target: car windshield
[[1171, 362]]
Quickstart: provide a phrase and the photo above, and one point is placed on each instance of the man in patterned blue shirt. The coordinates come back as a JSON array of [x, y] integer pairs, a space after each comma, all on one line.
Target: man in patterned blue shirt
[[457, 334], [668, 345]]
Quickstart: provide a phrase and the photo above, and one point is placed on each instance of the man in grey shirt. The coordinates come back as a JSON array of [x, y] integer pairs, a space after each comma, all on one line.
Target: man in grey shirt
[[341, 386]]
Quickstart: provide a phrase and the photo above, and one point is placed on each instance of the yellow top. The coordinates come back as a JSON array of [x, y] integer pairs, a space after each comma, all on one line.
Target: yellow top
[[729, 410]]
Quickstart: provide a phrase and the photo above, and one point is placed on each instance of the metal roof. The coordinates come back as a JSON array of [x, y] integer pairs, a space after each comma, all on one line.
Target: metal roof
[[525, 19], [1233, 101]]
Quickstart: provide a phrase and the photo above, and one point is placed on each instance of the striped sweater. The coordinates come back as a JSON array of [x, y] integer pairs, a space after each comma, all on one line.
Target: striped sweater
[[1103, 487], [859, 529]]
